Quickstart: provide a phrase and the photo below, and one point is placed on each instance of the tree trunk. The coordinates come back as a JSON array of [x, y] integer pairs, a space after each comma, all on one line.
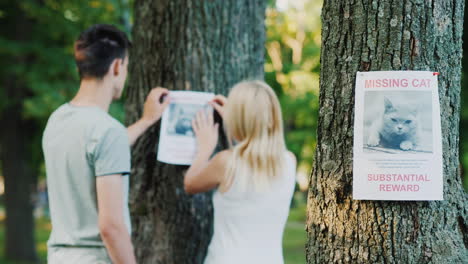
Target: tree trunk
[[16, 140], [195, 45], [385, 35], [19, 187]]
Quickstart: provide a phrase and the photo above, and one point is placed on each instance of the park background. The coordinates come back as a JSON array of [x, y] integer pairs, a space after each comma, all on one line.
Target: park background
[[292, 68]]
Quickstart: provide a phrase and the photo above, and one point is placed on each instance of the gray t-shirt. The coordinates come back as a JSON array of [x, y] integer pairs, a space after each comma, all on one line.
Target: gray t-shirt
[[80, 144]]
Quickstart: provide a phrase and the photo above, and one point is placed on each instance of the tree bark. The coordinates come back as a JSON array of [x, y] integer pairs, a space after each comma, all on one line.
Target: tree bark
[[197, 45], [385, 35]]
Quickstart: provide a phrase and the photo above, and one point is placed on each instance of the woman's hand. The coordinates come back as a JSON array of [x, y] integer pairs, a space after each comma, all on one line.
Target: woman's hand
[[206, 132], [218, 103]]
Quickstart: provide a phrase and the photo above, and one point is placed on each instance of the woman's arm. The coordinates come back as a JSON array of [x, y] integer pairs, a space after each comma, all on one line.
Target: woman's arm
[[205, 174]]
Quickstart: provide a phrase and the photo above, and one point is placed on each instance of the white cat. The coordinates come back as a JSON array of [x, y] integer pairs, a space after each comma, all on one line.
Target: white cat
[[396, 128]]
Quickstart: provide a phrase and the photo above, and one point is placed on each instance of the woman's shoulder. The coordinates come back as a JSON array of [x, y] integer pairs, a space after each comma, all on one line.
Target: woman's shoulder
[[222, 156], [292, 157]]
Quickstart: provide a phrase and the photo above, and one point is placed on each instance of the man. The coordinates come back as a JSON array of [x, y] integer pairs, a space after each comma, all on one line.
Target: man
[[87, 155]]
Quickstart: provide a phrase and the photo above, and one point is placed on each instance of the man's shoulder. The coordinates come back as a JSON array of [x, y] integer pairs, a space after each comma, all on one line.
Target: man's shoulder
[[107, 122], [105, 126], [90, 120], [58, 112]]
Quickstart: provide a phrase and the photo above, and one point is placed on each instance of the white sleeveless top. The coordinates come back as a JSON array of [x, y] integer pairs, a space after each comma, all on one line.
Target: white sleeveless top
[[248, 226]]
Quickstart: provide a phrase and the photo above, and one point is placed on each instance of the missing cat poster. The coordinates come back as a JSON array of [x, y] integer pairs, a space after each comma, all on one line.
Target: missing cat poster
[[177, 143], [397, 136]]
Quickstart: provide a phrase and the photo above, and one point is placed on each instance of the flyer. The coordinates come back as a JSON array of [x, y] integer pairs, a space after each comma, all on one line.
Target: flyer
[[397, 136], [177, 143]]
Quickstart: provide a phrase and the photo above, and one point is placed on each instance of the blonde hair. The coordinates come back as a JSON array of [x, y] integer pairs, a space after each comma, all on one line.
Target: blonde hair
[[253, 118]]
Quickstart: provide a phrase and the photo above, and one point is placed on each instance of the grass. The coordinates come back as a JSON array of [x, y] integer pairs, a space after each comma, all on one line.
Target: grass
[[295, 237], [293, 241]]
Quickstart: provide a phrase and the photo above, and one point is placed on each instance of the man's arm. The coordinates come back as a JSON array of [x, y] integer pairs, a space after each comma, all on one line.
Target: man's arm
[[137, 129], [112, 226], [152, 112]]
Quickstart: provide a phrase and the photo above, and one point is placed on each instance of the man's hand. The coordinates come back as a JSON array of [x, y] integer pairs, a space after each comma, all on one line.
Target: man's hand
[[153, 108], [152, 112]]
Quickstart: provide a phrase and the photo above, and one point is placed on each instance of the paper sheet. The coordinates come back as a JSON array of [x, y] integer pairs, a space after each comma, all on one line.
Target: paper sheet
[[177, 143], [397, 137]]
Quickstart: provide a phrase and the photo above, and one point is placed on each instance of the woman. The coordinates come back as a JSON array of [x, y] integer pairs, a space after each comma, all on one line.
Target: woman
[[255, 177]]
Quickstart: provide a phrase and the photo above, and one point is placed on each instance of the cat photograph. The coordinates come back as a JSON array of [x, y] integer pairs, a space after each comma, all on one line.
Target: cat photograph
[[180, 118], [398, 121]]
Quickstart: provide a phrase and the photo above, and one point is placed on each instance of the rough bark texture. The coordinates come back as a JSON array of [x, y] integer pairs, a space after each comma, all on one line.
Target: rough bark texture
[[195, 45], [385, 35]]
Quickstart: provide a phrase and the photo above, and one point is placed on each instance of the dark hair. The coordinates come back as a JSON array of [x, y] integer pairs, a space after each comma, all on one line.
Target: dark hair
[[97, 47]]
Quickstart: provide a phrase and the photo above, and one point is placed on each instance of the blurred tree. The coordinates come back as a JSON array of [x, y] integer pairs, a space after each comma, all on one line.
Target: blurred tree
[[385, 35], [37, 74], [15, 138], [200, 45]]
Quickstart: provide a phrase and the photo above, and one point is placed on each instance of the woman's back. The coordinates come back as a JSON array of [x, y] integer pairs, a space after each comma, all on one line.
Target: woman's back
[[249, 225]]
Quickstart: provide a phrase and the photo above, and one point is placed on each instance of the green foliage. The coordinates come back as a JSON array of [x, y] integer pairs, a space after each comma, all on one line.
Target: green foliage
[[52, 77], [292, 69], [38, 59]]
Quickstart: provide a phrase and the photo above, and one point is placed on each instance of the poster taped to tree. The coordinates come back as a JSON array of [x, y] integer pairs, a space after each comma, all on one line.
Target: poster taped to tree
[[177, 143], [397, 136]]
